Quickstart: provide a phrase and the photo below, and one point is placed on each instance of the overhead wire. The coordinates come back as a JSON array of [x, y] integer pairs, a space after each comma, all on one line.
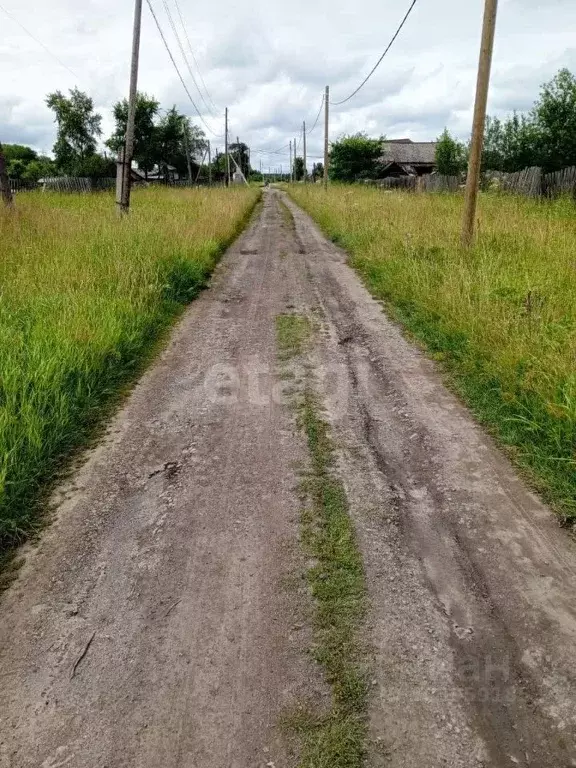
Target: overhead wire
[[193, 55], [184, 57], [380, 60], [317, 116], [36, 40], [158, 26]]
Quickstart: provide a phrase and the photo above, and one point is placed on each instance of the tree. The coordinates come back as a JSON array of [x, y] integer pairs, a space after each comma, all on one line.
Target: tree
[[24, 163], [241, 154], [16, 169], [355, 157], [554, 116], [19, 152], [317, 171], [299, 168], [511, 145], [178, 137], [450, 155], [17, 158], [78, 130], [41, 168], [145, 131]]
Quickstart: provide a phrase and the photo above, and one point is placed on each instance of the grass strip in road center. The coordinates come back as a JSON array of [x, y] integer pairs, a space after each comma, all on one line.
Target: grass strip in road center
[[333, 739]]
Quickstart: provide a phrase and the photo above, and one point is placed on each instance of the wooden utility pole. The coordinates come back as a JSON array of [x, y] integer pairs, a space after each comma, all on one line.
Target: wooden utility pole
[[294, 173], [482, 86], [5, 189], [209, 165], [326, 127], [227, 168], [124, 171], [290, 160], [304, 151]]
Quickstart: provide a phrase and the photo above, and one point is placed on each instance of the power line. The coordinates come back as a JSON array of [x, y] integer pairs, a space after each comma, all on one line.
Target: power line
[[280, 151], [317, 116], [27, 31], [193, 56], [390, 44], [149, 3], [185, 58]]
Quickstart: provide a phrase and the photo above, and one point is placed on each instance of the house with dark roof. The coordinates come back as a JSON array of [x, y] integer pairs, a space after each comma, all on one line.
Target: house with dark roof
[[404, 157]]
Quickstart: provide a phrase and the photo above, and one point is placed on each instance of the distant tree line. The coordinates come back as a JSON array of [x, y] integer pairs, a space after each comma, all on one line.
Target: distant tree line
[[164, 140], [544, 137]]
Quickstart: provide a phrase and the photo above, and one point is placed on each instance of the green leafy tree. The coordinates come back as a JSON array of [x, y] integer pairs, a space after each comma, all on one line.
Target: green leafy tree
[[512, 144], [241, 154], [16, 169], [355, 157], [554, 117], [18, 157], [79, 128], [19, 152], [299, 168], [450, 155], [25, 163], [145, 131], [41, 168], [177, 136], [317, 171]]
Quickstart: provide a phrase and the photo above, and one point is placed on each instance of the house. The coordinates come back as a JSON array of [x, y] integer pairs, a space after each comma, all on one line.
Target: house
[[166, 173], [404, 157]]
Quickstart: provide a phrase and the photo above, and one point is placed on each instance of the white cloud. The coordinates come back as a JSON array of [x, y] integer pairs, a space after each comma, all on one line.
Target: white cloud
[[269, 62]]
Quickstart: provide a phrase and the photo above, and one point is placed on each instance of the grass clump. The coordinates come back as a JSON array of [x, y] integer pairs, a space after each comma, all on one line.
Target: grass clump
[[83, 298], [293, 333], [335, 739], [501, 316]]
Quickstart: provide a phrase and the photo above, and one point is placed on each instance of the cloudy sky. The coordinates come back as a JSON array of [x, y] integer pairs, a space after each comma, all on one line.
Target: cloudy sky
[[269, 61]]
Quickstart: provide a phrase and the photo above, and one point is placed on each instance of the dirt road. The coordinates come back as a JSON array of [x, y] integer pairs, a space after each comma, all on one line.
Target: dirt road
[[160, 623]]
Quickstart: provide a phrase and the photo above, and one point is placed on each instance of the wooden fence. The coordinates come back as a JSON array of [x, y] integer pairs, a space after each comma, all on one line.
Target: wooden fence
[[22, 185], [531, 182], [432, 183]]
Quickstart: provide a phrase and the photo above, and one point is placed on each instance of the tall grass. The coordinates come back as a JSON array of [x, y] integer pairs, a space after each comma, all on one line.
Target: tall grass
[[501, 317], [83, 297]]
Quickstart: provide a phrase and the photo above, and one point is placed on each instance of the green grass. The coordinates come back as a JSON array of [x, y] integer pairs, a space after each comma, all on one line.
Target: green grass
[[500, 317], [335, 739], [84, 298], [293, 333], [287, 217]]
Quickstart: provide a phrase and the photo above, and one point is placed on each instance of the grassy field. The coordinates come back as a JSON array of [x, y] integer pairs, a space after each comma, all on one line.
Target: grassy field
[[84, 297], [501, 317]]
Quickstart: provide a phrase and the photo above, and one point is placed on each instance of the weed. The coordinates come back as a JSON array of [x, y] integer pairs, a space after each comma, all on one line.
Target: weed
[[84, 297], [336, 579], [501, 316], [287, 217], [292, 332]]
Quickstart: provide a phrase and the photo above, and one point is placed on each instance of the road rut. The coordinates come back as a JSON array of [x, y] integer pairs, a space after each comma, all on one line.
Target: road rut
[[158, 623]]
